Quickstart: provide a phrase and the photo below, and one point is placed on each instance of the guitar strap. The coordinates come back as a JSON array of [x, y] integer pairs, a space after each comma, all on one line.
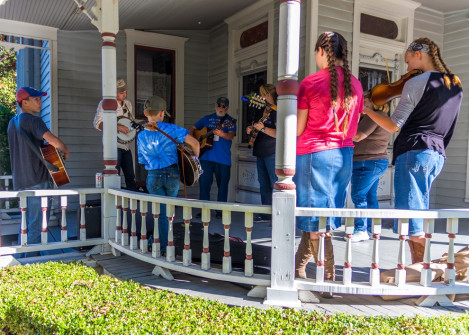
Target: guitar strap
[[29, 142], [220, 123], [155, 127]]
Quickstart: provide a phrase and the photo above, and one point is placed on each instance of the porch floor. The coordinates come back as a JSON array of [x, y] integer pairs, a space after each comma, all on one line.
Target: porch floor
[[127, 268]]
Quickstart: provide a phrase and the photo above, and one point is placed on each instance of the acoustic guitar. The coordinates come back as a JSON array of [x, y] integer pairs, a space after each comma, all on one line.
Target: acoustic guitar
[[205, 136], [50, 154], [258, 102]]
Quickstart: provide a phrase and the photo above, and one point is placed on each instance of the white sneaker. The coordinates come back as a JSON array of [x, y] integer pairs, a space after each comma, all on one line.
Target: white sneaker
[[360, 236]]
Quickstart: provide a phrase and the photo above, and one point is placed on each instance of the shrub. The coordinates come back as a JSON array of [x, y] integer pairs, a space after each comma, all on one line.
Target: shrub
[[57, 298]]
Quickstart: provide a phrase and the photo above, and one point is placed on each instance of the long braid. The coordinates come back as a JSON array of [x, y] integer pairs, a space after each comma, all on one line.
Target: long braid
[[347, 88], [439, 63], [333, 84]]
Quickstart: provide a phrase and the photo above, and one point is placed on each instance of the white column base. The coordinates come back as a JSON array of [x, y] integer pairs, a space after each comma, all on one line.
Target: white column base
[[144, 246], [205, 261], [400, 277], [155, 250], [133, 243], [450, 276], [43, 237], [347, 278], [285, 298], [82, 234], [118, 236], [426, 277], [187, 257], [227, 265], [63, 236], [170, 253], [374, 277], [125, 239], [430, 301], [248, 267], [320, 272]]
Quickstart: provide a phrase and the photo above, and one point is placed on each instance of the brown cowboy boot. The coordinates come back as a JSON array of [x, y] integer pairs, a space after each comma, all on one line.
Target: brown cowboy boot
[[303, 255], [329, 259], [416, 251]]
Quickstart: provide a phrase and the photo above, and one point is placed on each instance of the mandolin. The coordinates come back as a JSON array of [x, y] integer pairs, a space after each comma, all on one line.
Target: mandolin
[[205, 136], [259, 102]]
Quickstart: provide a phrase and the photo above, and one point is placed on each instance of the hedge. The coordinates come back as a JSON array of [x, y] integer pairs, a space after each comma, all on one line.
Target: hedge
[[59, 298]]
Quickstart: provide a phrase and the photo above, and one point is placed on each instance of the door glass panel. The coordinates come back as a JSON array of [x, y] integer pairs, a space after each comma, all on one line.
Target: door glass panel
[[251, 84], [154, 75]]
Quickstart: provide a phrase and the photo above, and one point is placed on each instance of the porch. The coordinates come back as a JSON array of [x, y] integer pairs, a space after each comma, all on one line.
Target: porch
[[245, 284]]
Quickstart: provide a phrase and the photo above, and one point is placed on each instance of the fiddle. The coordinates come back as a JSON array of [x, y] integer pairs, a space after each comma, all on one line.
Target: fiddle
[[382, 94]]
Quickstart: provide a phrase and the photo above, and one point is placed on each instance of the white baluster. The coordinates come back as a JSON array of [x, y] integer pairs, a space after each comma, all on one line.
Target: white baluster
[[452, 230], [248, 262], [44, 205], [403, 229], [227, 267], [7, 186], [82, 217], [320, 271], [118, 236], [24, 225], [63, 225], [205, 244], [349, 226], [143, 230], [426, 274], [133, 227], [155, 247], [125, 231], [187, 252], [170, 249], [374, 272]]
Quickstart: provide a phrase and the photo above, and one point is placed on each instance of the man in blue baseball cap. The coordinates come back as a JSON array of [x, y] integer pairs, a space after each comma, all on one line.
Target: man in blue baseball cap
[[217, 160], [27, 169]]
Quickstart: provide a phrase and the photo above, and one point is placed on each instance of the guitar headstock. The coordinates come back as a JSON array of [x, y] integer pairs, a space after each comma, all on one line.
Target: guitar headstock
[[255, 101]]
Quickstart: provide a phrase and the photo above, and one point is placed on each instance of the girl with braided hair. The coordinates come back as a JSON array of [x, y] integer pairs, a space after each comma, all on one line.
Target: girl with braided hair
[[329, 104], [426, 117]]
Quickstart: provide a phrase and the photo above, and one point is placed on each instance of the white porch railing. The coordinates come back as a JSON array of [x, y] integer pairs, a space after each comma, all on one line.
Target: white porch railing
[[121, 236], [64, 195]]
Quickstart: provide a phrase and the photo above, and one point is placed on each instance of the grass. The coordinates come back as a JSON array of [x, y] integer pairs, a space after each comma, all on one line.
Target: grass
[[58, 298]]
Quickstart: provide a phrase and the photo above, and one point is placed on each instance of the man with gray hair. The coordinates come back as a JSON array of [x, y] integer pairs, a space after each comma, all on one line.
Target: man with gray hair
[[124, 155]]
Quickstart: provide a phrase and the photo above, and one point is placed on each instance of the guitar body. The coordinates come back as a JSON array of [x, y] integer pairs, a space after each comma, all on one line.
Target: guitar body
[[50, 154], [205, 136]]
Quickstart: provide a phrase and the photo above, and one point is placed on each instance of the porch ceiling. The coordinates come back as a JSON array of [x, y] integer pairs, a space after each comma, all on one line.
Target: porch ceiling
[[133, 14]]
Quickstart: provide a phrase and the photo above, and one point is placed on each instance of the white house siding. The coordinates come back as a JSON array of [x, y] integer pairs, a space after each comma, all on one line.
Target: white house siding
[[80, 90], [336, 15], [450, 187]]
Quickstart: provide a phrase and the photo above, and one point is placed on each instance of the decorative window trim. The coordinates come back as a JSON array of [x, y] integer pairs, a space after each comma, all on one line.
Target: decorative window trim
[[35, 31], [156, 40]]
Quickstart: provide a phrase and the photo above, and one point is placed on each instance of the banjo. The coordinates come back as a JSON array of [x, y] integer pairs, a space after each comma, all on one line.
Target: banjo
[[130, 136]]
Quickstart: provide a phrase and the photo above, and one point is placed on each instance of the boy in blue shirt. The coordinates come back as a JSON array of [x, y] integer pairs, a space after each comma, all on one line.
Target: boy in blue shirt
[[159, 154], [218, 159]]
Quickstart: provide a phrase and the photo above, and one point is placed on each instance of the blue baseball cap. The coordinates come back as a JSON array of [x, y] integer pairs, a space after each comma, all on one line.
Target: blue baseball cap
[[223, 100], [26, 92]]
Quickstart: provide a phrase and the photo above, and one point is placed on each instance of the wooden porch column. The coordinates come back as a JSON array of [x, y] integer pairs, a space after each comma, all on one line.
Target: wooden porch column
[[106, 18], [282, 291]]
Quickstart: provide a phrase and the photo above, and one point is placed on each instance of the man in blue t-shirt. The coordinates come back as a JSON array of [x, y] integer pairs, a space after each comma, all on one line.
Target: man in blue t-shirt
[[27, 169], [159, 154], [217, 160]]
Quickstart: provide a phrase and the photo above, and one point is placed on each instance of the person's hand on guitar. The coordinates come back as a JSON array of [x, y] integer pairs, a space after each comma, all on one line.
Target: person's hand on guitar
[[249, 129], [259, 126], [218, 132], [122, 129]]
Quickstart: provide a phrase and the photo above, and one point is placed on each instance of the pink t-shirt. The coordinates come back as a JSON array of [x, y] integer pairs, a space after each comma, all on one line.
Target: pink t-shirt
[[314, 95]]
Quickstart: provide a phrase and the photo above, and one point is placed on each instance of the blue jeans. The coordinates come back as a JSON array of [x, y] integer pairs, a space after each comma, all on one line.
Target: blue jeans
[[163, 181], [414, 174], [34, 219], [267, 178], [365, 178], [222, 175], [321, 181], [126, 163]]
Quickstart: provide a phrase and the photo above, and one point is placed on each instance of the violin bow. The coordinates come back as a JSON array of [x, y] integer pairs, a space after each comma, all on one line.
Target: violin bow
[[389, 79]]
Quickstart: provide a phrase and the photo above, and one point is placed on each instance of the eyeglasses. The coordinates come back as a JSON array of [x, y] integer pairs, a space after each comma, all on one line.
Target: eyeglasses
[[222, 106]]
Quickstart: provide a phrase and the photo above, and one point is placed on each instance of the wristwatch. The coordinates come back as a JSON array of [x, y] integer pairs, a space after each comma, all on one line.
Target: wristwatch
[[263, 130]]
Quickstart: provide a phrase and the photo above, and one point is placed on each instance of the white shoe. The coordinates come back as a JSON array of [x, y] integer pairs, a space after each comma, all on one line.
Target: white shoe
[[360, 236]]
